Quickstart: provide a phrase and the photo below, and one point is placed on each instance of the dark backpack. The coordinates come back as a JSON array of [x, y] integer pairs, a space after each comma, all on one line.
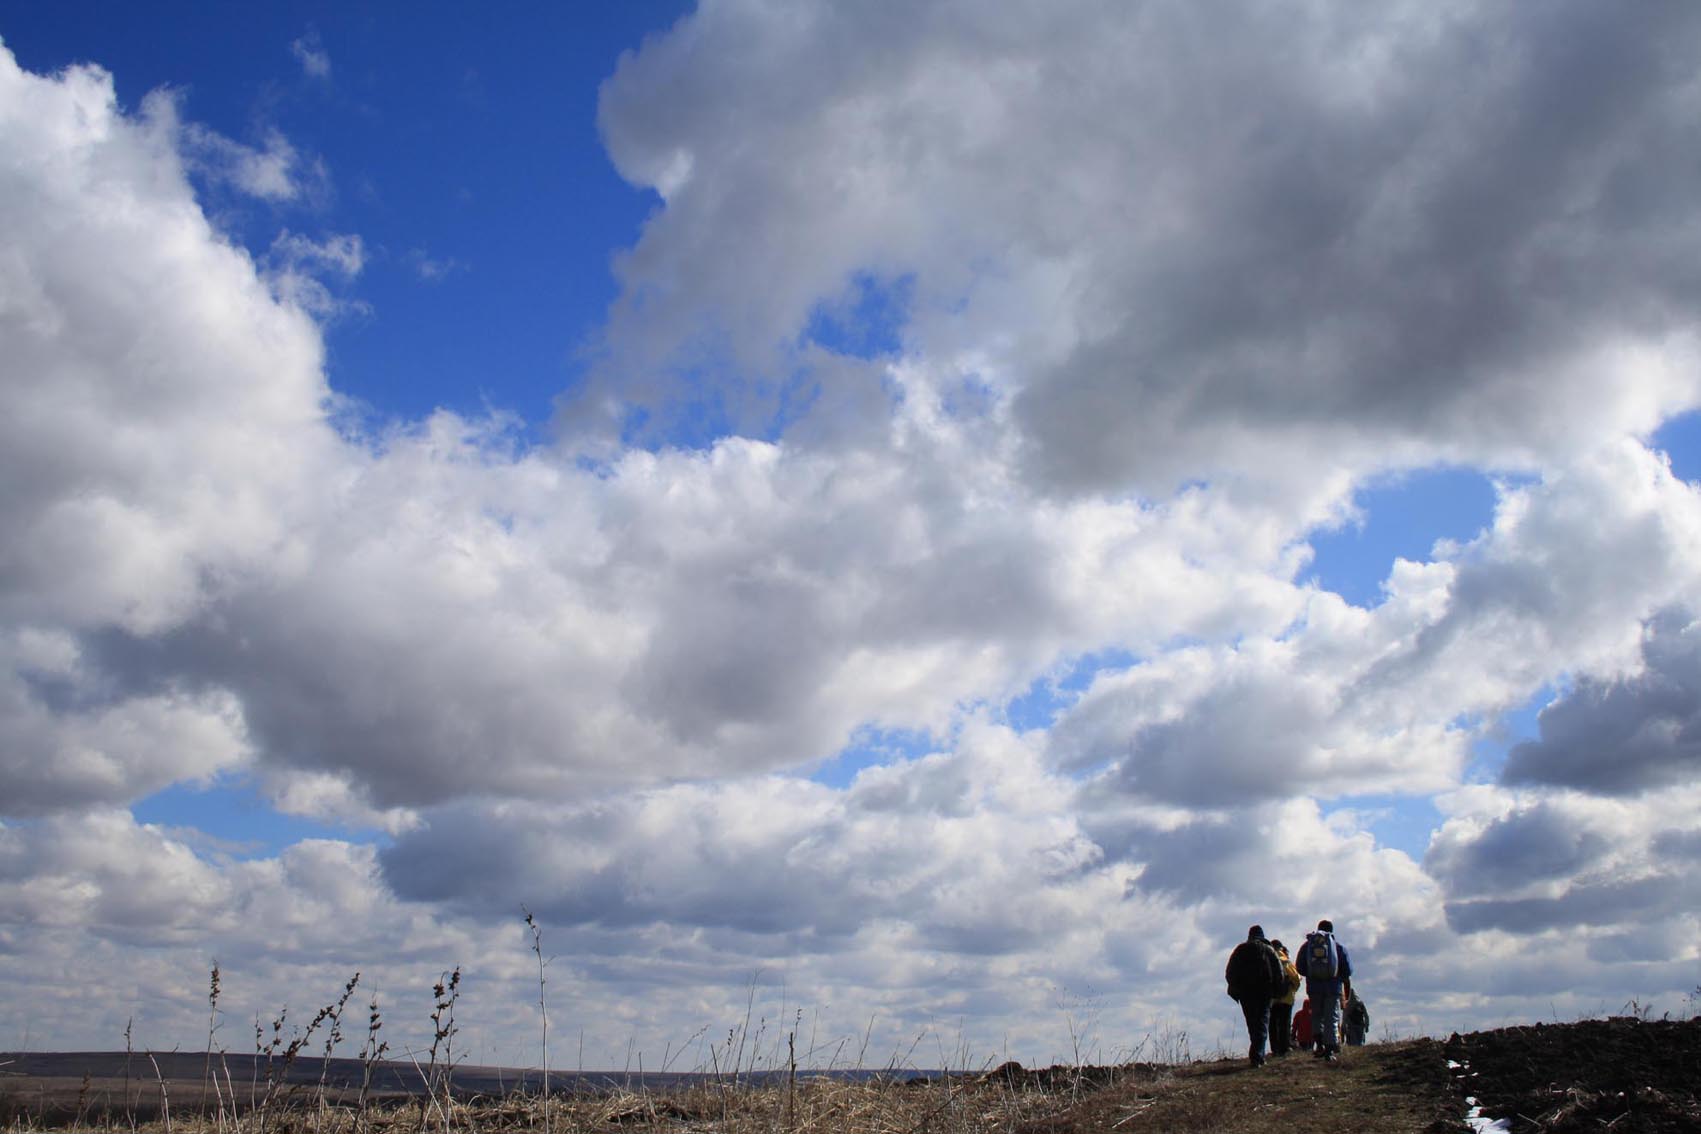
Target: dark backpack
[[1322, 961], [1254, 969]]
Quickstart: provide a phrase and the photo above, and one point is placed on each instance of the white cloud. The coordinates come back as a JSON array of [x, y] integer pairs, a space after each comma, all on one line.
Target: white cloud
[[309, 51], [296, 268], [433, 269], [273, 172], [1353, 701], [162, 410], [65, 743]]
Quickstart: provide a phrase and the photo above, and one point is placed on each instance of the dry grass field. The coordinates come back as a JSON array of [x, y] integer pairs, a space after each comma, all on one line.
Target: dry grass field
[[1622, 1074]]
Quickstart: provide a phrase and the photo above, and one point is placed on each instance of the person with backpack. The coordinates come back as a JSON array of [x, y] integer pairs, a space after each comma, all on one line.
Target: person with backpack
[[1324, 964], [1254, 975], [1281, 1006], [1357, 1017]]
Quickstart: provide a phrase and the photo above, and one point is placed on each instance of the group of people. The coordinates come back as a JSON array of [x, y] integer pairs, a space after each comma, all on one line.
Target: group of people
[[1265, 981]]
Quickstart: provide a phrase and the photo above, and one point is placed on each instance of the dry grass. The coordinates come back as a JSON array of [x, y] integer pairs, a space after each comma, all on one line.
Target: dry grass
[[280, 1089], [1399, 1088], [769, 1103]]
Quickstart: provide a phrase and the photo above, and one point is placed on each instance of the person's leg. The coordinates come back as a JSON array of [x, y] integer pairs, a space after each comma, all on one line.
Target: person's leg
[[1326, 1019], [1257, 1013], [1281, 1022]]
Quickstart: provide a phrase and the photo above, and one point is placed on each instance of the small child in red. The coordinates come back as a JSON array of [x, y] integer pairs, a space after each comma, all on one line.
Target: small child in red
[[1302, 1026]]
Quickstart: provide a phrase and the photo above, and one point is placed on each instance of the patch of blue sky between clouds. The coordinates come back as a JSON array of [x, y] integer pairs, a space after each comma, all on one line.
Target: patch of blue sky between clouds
[[1402, 518], [970, 397], [696, 422], [1489, 752], [1037, 707], [1405, 823], [1050, 695], [867, 321], [1398, 822], [234, 819], [1680, 439], [873, 747]]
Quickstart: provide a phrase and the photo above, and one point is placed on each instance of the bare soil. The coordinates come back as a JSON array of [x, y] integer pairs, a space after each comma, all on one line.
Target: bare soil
[[1640, 1076]]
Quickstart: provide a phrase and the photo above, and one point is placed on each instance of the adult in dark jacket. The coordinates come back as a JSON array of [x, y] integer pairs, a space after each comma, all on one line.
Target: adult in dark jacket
[[1323, 982], [1254, 976]]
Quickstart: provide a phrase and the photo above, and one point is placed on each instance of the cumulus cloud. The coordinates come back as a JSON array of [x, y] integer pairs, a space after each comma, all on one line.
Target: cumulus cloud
[[164, 428], [1540, 843], [128, 883], [1532, 863], [1182, 245], [1350, 701], [162, 408], [970, 852], [1633, 733], [64, 743]]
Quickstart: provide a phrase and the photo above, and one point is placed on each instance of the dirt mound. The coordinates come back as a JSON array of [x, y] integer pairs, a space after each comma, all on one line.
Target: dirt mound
[[1634, 1075], [1618, 1075]]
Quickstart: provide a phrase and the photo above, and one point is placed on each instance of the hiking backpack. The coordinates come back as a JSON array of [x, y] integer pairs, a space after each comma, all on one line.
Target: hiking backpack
[[1321, 960]]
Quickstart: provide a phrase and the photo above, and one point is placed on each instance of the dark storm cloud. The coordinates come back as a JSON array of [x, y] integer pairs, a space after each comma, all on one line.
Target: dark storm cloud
[[1625, 736]]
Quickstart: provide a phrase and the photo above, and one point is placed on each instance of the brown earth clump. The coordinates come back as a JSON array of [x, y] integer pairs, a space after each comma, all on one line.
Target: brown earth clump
[[1624, 1074]]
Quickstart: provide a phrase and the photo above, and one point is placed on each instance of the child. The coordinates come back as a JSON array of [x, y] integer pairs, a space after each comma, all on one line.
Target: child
[[1357, 1020], [1302, 1026]]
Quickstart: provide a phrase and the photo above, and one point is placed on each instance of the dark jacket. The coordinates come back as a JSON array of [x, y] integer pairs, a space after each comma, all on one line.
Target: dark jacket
[[1254, 971]]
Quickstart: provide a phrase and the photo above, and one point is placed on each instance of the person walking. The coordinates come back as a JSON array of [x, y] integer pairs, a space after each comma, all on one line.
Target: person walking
[[1254, 975], [1357, 1019], [1281, 1006], [1302, 1026], [1324, 964]]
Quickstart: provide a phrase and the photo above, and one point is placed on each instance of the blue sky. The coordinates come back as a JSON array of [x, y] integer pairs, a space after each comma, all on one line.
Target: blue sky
[[922, 504], [519, 212]]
